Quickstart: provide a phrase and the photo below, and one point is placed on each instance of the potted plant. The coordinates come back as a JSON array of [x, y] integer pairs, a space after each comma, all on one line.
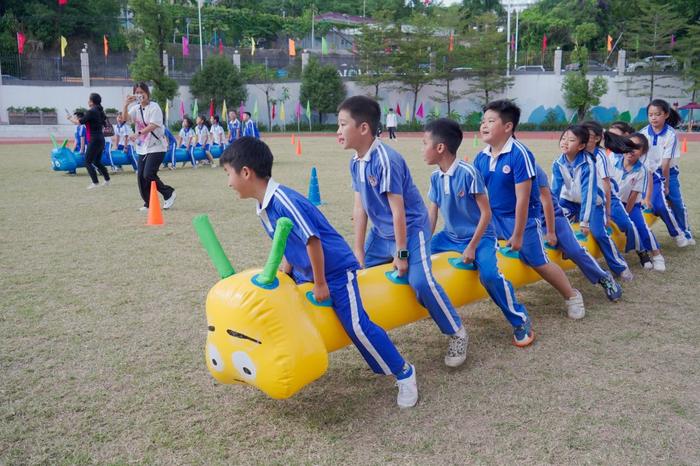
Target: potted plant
[[48, 116], [15, 115], [32, 116]]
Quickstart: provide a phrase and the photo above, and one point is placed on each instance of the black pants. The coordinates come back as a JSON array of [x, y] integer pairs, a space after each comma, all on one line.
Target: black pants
[[392, 132], [93, 158], [147, 172]]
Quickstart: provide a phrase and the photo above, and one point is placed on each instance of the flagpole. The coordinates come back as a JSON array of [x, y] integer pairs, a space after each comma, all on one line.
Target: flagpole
[[508, 42], [201, 53], [517, 26]]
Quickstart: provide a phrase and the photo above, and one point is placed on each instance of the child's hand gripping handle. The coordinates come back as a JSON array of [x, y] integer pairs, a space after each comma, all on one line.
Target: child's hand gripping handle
[[279, 242], [211, 244]]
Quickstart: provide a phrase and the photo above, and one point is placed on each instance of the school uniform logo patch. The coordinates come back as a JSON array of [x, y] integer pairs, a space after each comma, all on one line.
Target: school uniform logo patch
[[506, 169], [460, 194], [372, 180]]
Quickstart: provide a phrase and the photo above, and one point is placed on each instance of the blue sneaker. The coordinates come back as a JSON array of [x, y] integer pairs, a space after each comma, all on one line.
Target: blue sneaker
[[523, 335], [613, 290]]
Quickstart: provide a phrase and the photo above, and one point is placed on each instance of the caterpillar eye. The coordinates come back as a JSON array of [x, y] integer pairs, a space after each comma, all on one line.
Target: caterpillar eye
[[244, 365], [214, 358]]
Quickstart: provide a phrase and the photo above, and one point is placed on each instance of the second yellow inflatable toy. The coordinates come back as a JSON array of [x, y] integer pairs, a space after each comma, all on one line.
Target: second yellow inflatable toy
[[266, 331]]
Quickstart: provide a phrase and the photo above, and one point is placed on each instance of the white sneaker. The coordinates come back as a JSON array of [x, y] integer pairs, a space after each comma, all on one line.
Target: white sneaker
[[143, 208], [93, 186], [457, 349], [213, 165], [626, 275], [408, 390], [659, 263], [691, 241], [574, 307], [105, 183], [682, 241], [169, 201]]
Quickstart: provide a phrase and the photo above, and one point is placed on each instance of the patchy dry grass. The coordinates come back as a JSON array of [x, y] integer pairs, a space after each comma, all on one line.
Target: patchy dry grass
[[102, 329]]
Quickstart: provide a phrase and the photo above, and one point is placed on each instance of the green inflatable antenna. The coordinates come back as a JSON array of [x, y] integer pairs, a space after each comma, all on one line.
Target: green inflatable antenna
[[212, 245], [279, 242]]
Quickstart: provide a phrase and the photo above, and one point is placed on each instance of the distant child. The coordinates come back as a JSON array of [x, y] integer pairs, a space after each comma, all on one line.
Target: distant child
[[561, 236], [250, 128], [662, 160], [187, 137], [122, 131], [631, 175], [201, 131], [458, 192], [216, 132], [508, 169], [80, 134], [391, 123], [575, 186], [614, 210], [400, 232], [248, 164], [234, 127]]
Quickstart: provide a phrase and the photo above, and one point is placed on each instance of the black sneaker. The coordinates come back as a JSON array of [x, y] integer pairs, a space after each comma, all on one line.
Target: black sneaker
[[645, 260], [613, 290]]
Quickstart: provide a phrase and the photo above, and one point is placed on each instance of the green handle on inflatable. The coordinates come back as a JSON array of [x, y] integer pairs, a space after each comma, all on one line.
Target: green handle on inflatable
[[212, 245], [279, 242], [53, 140], [65, 141]]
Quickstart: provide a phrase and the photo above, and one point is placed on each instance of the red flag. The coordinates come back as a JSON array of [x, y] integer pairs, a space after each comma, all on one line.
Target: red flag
[[419, 112], [211, 108], [241, 110], [398, 109], [182, 109], [512, 42], [21, 39], [62, 2], [274, 111], [673, 40], [185, 46], [221, 47], [544, 42], [292, 48], [451, 47], [106, 45], [610, 43]]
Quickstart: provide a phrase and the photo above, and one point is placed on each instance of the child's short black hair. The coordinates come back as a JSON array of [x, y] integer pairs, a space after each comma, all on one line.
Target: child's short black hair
[[623, 126], [445, 131], [248, 113], [363, 110], [507, 111], [249, 152]]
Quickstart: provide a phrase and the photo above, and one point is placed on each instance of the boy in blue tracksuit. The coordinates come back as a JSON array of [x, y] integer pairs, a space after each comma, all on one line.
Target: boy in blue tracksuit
[[248, 164], [508, 169], [561, 235], [400, 232], [234, 127], [457, 191], [250, 128]]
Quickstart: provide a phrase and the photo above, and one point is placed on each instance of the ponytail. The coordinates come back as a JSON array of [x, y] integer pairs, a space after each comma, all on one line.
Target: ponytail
[[674, 118], [618, 144], [96, 99]]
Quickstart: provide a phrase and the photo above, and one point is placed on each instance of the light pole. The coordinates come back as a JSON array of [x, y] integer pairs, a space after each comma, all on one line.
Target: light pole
[[201, 53]]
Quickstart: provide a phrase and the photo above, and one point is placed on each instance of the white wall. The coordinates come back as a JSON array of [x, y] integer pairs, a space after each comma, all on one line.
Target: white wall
[[530, 91]]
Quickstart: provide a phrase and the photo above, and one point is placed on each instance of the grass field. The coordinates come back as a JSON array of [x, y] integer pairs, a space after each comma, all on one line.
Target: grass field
[[102, 332]]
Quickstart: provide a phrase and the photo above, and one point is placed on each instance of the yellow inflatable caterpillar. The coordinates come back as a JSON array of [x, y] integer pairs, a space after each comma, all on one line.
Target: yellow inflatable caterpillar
[[266, 331]]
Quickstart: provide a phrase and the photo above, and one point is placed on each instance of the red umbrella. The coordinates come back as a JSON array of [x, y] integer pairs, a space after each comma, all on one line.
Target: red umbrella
[[690, 106]]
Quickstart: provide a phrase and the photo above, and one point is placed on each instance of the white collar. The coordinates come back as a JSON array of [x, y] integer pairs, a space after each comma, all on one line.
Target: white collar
[[368, 156], [450, 171], [272, 186], [506, 148]]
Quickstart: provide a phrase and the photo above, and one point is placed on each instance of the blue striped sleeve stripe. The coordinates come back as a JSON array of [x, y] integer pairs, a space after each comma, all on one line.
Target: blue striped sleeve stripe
[[386, 168], [298, 217], [528, 163]]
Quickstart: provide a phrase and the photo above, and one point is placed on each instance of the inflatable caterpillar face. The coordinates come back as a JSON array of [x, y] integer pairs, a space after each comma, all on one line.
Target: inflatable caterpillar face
[[260, 336]]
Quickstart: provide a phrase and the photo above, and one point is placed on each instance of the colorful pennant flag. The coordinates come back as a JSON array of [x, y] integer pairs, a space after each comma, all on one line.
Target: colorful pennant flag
[[398, 109], [419, 112], [308, 110], [544, 42], [297, 110], [224, 111], [21, 39], [292, 48], [451, 46], [221, 47], [610, 43], [195, 109], [241, 109], [283, 115], [274, 111], [252, 46], [182, 109], [167, 111], [185, 46], [255, 110], [324, 46], [105, 42], [62, 2], [64, 44], [409, 115], [673, 40], [211, 108]]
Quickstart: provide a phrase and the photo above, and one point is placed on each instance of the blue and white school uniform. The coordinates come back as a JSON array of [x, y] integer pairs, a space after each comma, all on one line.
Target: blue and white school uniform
[[122, 131], [234, 130], [202, 133], [501, 172], [341, 272], [186, 135], [634, 179], [664, 145], [251, 129], [374, 175], [80, 132], [217, 135], [575, 185], [618, 214], [566, 238], [454, 192]]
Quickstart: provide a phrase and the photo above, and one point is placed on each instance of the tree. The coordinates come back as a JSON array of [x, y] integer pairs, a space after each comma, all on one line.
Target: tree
[[580, 94], [220, 80], [689, 54], [472, 8], [486, 56], [451, 66], [265, 79], [373, 52], [650, 34], [411, 59], [322, 87]]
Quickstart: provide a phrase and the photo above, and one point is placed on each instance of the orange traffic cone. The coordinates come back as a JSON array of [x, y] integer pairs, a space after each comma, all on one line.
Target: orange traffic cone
[[292, 138], [298, 146], [684, 146], [155, 215]]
